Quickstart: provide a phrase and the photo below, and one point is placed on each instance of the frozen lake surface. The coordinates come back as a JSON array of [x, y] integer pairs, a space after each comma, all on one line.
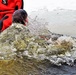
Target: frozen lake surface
[[57, 21]]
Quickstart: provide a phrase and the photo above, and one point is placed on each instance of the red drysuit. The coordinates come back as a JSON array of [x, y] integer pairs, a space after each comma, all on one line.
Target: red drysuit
[[7, 7]]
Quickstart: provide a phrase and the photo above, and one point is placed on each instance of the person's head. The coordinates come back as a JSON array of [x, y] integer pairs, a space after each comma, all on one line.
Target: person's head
[[20, 16]]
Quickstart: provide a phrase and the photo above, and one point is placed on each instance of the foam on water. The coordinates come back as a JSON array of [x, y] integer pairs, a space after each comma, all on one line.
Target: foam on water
[[57, 22]]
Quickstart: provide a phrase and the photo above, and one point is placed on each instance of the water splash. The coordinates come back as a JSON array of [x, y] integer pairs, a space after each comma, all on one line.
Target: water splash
[[32, 51]]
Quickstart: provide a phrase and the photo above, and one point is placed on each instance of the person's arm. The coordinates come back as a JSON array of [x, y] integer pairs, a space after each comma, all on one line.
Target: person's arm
[[1, 22], [4, 7], [5, 22], [12, 5], [19, 4]]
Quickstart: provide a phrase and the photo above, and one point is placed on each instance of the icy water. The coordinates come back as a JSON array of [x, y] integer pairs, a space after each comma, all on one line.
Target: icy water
[[33, 67], [45, 53]]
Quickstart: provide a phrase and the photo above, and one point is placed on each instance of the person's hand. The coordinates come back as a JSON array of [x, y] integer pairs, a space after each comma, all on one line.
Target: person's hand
[[1, 24], [16, 7]]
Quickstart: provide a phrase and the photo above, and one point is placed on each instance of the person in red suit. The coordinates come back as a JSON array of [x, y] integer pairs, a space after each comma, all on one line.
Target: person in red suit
[[7, 8]]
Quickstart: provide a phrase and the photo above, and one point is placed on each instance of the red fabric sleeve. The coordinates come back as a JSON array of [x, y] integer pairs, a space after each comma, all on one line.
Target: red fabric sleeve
[[7, 22], [7, 10], [9, 6], [19, 3]]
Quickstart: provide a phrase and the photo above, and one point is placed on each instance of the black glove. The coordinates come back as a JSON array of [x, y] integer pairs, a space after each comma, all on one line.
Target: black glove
[[1, 24], [1, 21], [16, 7]]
